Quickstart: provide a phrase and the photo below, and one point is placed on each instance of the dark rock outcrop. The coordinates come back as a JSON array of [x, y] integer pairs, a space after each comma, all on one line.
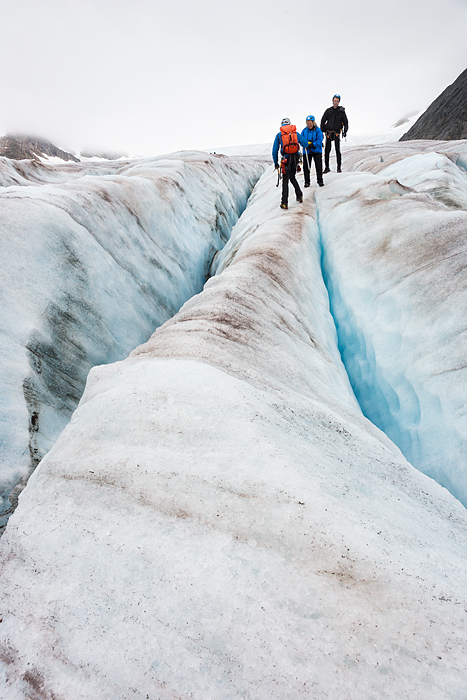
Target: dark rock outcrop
[[446, 117], [29, 147]]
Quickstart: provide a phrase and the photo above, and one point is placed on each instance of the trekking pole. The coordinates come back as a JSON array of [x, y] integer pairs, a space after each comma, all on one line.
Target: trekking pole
[[278, 176], [308, 162]]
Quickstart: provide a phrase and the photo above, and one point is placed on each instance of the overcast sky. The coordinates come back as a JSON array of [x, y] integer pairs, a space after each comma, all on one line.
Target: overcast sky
[[153, 76]]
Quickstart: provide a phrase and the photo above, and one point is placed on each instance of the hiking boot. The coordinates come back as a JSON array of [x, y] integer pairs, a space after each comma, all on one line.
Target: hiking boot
[[339, 170], [307, 184], [300, 199], [321, 184], [284, 206], [326, 170]]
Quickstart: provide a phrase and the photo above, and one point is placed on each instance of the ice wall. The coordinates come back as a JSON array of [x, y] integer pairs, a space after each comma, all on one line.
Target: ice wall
[[219, 520], [394, 243], [94, 258]]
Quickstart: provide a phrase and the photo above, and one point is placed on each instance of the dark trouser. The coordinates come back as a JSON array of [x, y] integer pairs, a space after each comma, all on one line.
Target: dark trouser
[[309, 158], [289, 174], [327, 150]]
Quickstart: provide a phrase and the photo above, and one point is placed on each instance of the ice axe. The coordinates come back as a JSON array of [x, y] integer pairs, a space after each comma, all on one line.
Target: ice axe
[[278, 176]]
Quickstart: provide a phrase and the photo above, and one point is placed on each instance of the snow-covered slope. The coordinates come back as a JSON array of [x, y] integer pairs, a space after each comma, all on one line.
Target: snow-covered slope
[[219, 520], [94, 258]]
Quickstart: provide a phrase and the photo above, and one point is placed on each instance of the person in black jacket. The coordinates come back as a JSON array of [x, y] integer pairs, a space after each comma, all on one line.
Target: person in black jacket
[[333, 121]]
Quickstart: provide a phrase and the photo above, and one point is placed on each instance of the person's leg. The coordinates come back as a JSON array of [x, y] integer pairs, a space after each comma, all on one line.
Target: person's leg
[[306, 169], [296, 186], [317, 157], [327, 151], [338, 152], [285, 188]]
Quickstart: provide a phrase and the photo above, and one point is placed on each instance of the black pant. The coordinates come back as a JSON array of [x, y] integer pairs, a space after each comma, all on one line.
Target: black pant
[[289, 174], [327, 150], [308, 158]]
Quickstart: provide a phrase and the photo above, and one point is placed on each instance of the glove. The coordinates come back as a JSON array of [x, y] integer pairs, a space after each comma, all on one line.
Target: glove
[[276, 165], [344, 134]]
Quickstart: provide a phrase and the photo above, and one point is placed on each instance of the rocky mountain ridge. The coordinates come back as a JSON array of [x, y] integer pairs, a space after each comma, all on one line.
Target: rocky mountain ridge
[[446, 117], [20, 147]]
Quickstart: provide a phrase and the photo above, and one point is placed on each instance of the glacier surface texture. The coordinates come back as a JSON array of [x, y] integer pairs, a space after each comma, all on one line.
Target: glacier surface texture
[[94, 258], [233, 510]]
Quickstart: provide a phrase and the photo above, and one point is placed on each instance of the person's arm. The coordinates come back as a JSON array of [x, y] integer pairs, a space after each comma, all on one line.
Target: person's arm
[[319, 139], [303, 138], [275, 151], [345, 122], [323, 121]]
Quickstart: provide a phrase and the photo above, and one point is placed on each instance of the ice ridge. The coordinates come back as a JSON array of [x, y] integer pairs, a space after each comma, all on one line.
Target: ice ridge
[[393, 259], [94, 259]]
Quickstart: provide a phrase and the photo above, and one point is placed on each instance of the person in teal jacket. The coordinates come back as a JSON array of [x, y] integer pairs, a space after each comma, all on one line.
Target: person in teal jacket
[[313, 136]]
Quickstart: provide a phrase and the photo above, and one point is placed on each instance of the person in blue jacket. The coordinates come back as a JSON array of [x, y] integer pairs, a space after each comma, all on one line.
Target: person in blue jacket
[[290, 161], [313, 136]]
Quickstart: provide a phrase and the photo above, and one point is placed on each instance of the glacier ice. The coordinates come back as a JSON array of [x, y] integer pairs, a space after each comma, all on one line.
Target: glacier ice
[[219, 519], [94, 258], [394, 258]]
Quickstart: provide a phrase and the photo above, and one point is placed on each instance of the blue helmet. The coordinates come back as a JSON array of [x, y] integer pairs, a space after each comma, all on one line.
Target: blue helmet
[[310, 118], [338, 97]]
